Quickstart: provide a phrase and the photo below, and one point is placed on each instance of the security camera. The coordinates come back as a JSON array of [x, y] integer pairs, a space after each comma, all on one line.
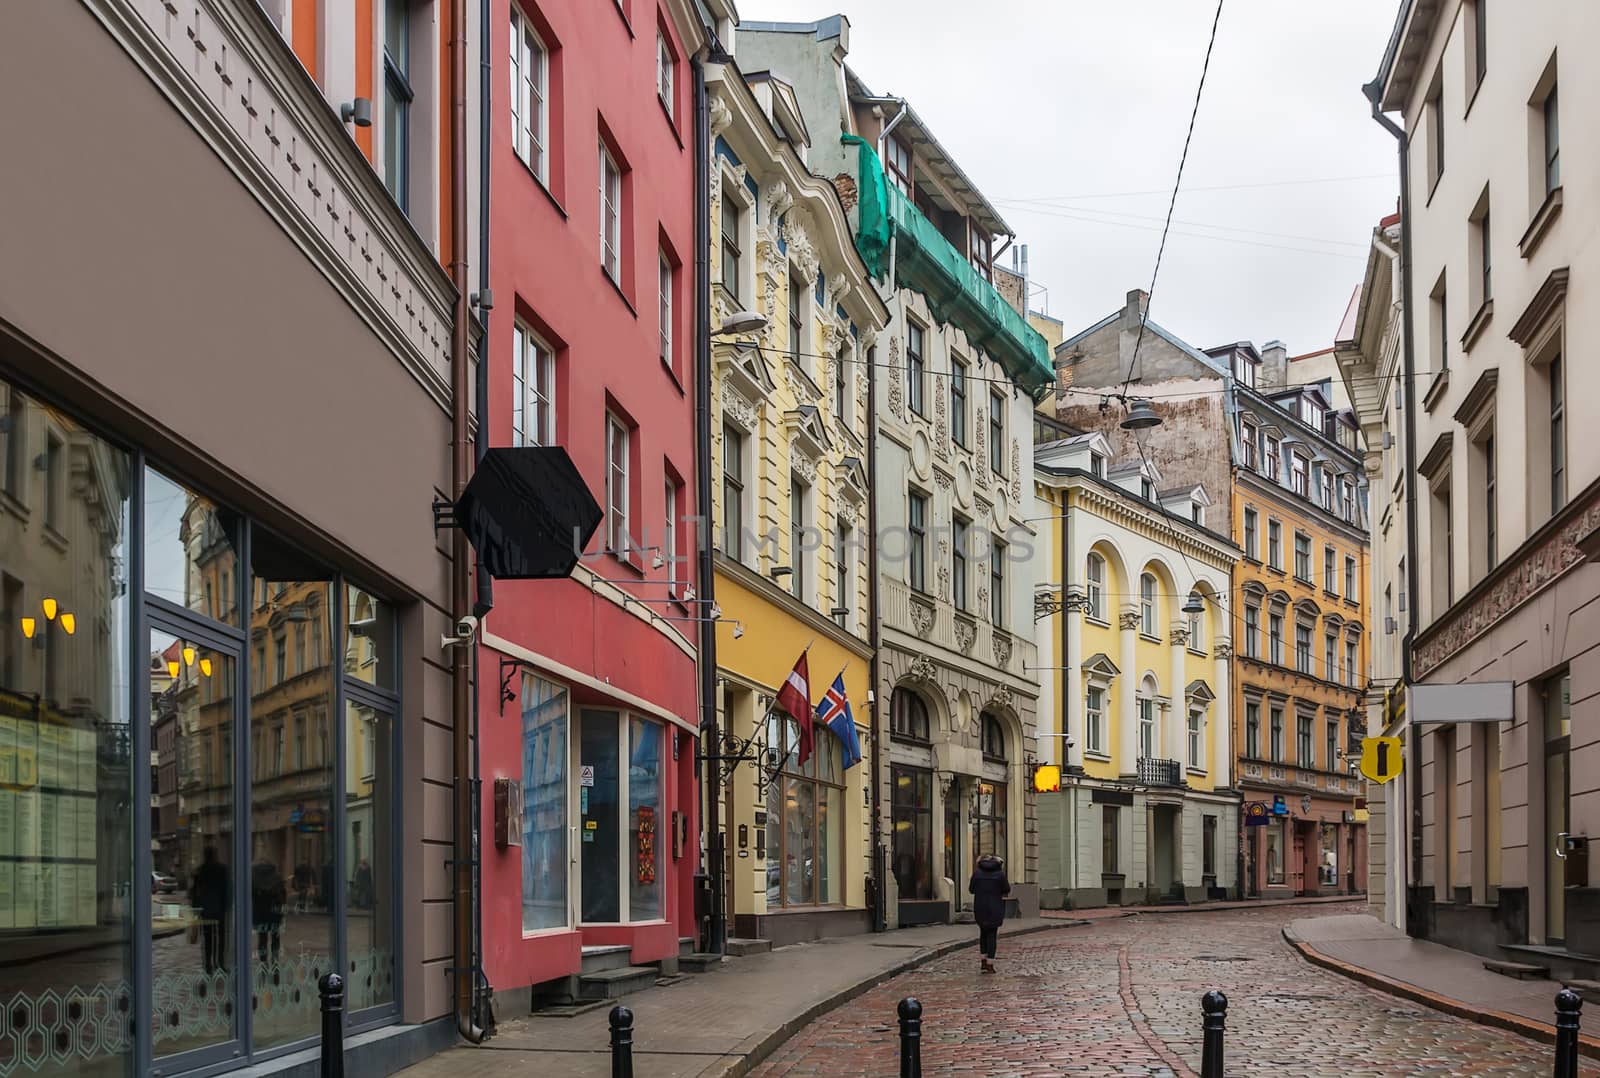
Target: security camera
[[463, 632]]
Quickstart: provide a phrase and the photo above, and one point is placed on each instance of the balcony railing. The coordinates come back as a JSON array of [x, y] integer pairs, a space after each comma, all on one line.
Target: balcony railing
[[1153, 772]]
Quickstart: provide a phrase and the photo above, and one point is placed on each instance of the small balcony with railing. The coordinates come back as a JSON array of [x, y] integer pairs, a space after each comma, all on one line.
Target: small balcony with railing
[[1157, 772]]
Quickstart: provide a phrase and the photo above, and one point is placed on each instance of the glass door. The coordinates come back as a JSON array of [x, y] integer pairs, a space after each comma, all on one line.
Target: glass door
[[194, 925], [952, 843], [1558, 804], [600, 835]]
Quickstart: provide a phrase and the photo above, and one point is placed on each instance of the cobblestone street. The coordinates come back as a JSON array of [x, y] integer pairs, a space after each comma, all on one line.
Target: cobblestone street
[[1122, 997]]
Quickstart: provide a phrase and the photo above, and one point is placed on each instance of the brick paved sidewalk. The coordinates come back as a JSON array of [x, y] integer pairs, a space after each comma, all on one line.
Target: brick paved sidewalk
[[1381, 956], [715, 1024]]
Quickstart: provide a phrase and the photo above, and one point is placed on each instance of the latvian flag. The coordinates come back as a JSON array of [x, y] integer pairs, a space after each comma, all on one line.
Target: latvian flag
[[795, 698], [834, 713]]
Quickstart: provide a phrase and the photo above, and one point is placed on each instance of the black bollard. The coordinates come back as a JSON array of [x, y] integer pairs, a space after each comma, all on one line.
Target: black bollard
[[621, 1043], [331, 988], [1568, 1006], [910, 1012], [1214, 1006]]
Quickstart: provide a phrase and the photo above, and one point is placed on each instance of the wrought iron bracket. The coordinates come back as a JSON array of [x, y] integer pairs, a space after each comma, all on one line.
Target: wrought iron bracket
[[741, 750], [509, 669]]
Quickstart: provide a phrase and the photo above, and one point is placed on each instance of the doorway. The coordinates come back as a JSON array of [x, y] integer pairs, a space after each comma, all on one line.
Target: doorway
[[1164, 851], [1557, 694], [952, 842]]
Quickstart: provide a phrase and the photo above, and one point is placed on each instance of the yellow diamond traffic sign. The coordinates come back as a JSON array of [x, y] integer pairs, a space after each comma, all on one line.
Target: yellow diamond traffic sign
[[1380, 758]]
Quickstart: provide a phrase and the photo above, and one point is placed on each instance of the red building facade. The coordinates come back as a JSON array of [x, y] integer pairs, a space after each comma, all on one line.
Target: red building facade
[[588, 692]]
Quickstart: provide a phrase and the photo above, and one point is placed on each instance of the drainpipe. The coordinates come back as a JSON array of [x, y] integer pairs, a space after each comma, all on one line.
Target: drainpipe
[[883, 138], [712, 739], [1374, 93], [460, 579], [880, 910]]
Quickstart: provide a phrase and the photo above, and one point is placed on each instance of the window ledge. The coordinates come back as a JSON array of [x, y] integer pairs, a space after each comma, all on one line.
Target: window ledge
[[627, 559], [617, 288], [542, 185], [907, 739], [1092, 620], [10, 504], [1149, 639], [1436, 389], [1543, 218], [1476, 326], [1101, 757], [54, 538], [1277, 569], [1200, 652], [1433, 185], [1193, 770]]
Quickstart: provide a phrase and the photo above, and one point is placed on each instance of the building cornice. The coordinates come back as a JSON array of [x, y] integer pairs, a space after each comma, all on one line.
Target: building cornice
[[783, 601], [1101, 498]]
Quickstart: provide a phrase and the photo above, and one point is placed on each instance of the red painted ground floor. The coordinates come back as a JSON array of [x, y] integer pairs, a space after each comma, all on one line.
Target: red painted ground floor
[[1316, 848]]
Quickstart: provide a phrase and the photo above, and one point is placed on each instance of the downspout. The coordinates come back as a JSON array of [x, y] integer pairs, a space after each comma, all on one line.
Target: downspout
[[1374, 92], [880, 898], [460, 580], [883, 137], [711, 739], [1064, 685]]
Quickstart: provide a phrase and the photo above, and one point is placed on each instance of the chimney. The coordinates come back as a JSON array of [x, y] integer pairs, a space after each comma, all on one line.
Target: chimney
[[1133, 311], [1274, 366]]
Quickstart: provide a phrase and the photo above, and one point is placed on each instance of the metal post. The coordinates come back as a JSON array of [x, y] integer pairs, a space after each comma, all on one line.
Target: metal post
[[1214, 1006], [331, 988], [1568, 1006], [910, 1012], [621, 1043]]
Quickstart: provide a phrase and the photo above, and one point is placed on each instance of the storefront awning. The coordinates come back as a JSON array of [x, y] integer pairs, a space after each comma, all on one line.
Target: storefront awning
[[1474, 701]]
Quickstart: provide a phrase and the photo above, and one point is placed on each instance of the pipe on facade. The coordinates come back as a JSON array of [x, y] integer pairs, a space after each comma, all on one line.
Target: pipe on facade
[[1374, 94], [883, 137], [880, 898], [460, 580], [711, 740]]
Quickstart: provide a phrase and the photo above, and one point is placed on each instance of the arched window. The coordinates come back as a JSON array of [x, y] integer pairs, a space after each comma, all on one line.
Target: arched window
[[1096, 591], [908, 715], [1147, 604], [994, 737], [1147, 718]]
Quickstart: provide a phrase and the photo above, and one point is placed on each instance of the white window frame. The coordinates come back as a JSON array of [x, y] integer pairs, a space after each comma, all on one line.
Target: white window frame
[[1196, 738], [669, 536], [1147, 727], [666, 278], [1147, 604], [666, 71], [610, 215], [1094, 717], [1095, 587], [617, 486], [533, 384], [530, 96]]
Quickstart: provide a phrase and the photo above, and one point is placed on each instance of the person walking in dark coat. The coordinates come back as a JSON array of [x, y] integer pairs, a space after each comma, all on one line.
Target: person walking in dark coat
[[989, 888], [210, 894]]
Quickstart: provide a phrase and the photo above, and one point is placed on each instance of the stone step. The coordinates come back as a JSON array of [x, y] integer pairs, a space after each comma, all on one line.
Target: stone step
[[599, 959], [741, 948], [668, 966], [1522, 971], [614, 983], [685, 945], [698, 962], [1589, 990]]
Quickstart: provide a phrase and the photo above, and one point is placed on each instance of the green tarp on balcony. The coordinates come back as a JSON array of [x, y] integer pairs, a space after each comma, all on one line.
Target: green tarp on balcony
[[925, 262]]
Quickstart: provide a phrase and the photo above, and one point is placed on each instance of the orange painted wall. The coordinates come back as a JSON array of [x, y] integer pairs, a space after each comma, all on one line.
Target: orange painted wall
[[364, 87], [305, 36]]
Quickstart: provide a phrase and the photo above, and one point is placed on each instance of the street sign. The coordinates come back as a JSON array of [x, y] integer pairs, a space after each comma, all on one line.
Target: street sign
[[1380, 758], [1256, 814]]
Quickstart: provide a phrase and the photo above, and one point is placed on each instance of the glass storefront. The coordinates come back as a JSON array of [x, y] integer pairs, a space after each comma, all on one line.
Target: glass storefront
[[622, 834], [1277, 849], [217, 782], [911, 809], [805, 819], [544, 804]]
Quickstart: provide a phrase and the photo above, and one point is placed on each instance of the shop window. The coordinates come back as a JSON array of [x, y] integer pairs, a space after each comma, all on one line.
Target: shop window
[[1277, 848], [646, 831], [994, 737], [805, 820], [1110, 847], [911, 811], [1208, 846], [190, 546], [989, 819], [545, 770]]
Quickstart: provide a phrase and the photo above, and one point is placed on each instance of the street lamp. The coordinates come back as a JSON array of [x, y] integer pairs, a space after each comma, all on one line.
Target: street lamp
[[1194, 604], [1141, 416], [742, 322]]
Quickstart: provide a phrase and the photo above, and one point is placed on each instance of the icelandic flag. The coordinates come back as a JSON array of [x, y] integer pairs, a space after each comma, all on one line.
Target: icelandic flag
[[834, 713]]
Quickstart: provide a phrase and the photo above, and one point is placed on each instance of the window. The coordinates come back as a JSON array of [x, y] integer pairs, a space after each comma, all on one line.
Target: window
[[1314, 412], [1147, 489], [909, 715], [1197, 719], [617, 541], [989, 819], [1480, 41], [1197, 635], [1558, 437], [1442, 530], [1277, 845], [799, 538], [664, 282], [1352, 671], [993, 737], [1275, 544], [1350, 509], [911, 811], [732, 221], [1350, 578], [844, 584], [899, 162], [958, 402], [1275, 639], [1110, 827], [841, 386], [16, 444], [1439, 318], [397, 97], [997, 433], [1147, 604], [669, 533], [805, 821], [530, 94], [917, 526], [1490, 507], [1302, 649], [997, 583], [1096, 590], [1552, 142], [1484, 253], [1270, 459], [1097, 465], [666, 67], [1147, 728], [610, 215], [1275, 748], [916, 372], [1251, 550], [1302, 557], [1197, 513], [1325, 487], [1252, 631], [533, 381], [1208, 846], [1244, 369], [1435, 112], [545, 766], [958, 575], [1330, 578], [1303, 741], [1247, 444], [797, 319], [1252, 730], [1094, 699], [1297, 475], [982, 248], [53, 491], [732, 492], [1331, 759], [1330, 663]]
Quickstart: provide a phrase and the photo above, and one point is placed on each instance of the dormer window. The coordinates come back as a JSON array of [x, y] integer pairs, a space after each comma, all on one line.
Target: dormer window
[[1147, 489], [1244, 369], [1299, 480], [1097, 465], [1247, 445], [898, 159], [982, 254], [1312, 411], [1271, 459], [1197, 513]]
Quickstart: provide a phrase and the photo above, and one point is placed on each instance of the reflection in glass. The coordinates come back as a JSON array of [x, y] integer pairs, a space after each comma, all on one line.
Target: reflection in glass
[[544, 814], [66, 889], [369, 854], [292, 871], [911, 809], [369, 653], [645, 832], [600, 842], [190, 549], [191, 849], [989, 820]]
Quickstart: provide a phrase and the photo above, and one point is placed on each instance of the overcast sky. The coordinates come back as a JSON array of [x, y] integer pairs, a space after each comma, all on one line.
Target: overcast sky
[[1051, 105]]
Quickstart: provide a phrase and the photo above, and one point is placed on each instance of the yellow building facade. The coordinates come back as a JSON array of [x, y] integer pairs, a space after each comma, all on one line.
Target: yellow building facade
[[791, 501], [1134, 633]]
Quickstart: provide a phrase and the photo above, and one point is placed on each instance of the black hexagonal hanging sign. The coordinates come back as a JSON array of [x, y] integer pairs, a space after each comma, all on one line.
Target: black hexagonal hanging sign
[[528, 513]]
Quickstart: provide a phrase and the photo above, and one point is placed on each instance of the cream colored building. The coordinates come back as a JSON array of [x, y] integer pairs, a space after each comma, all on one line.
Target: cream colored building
[[1496, 102]]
